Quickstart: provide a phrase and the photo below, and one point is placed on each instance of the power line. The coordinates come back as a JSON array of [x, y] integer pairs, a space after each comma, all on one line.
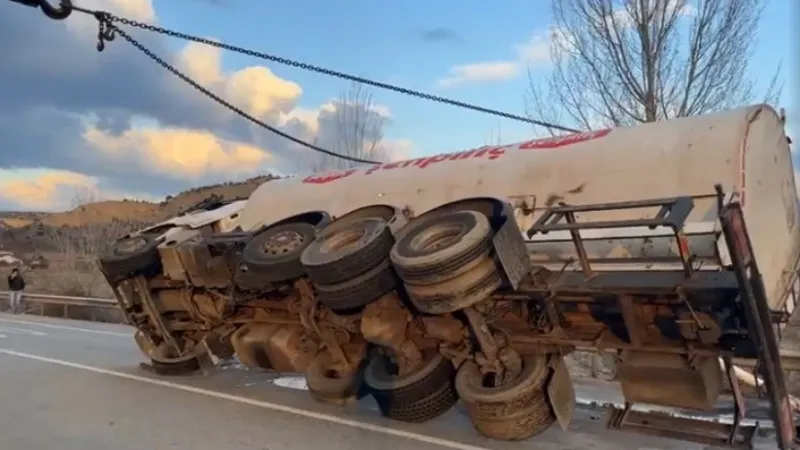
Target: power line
[[111, 18]]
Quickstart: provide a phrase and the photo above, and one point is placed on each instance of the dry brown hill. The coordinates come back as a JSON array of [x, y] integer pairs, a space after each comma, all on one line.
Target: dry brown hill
[[130, 210]]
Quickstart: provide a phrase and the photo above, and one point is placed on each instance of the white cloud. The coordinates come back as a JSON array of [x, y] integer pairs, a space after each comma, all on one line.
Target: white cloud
[[535, 51], [178, 153], [55, 190], [480, 72], [538, 51], [116, 121]]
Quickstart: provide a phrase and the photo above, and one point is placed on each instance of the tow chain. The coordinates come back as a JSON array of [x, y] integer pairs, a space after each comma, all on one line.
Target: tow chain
[[112, 19], [108, 30]]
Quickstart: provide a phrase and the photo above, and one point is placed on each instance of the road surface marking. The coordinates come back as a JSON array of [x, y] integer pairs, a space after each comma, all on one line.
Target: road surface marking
[[253, 402], [13, 330], [66, 327], [2, 336]]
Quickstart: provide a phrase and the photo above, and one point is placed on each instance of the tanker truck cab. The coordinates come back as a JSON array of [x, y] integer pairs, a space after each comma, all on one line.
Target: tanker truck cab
[[470, 276]]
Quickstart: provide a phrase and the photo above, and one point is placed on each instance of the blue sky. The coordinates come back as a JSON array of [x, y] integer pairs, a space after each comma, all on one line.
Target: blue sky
[[385, 41], [116, 123]]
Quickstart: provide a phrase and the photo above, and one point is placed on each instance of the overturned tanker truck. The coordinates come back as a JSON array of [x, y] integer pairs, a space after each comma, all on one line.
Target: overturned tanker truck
[[470, 276]]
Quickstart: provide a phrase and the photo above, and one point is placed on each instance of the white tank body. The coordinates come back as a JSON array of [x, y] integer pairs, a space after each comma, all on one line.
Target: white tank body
[[745, 150]]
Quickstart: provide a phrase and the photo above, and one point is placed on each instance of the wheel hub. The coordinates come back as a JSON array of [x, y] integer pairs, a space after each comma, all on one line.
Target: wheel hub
[[437, 237], [341, 240], [130, 245], [283, 242]]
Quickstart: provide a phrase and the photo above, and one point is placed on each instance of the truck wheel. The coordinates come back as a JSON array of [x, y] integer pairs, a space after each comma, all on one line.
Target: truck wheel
[[275, 252], [164, 364], [421, 395], [130, 256], [344, 252], [442, 247], [457, 293], [514, 411], [328, 386], [359, 291]]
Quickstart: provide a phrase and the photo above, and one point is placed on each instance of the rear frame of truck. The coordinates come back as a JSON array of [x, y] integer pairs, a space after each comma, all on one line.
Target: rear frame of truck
[[752, 335]]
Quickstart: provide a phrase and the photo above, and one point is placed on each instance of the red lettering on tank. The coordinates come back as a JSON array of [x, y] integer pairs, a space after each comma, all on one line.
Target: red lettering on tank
[[434, 160], [496, 152], [328, 177], [561, 141], [490, 153], [461, 155]]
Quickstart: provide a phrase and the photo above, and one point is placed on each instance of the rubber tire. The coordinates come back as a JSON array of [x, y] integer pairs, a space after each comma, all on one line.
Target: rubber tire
[[359, 291], [457, 293], [515, 411], [424, 267], [417, 397], [118, 266], [181, 367], [249, 281], [337, 266], [332, 390], [276, 269]]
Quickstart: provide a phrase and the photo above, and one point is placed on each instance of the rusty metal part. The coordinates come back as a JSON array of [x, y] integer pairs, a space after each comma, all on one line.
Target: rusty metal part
[[670, 380], [386, 322], [307, 307], [457, 352], [145, 344], [482, 334], [631, 315], [444, 328], [202, 268], [137, 287], [561, 392], [699, 326], [249, 342], [495, 356], [658, 424], [277, 347], [334, 383], [171, 262]]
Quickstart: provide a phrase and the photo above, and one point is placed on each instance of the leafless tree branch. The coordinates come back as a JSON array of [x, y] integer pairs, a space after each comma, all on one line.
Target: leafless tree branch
[[76, 249], [622, 62], [359, 131]]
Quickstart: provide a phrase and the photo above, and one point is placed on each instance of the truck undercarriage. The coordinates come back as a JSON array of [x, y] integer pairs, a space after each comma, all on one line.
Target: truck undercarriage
[[456, 304]]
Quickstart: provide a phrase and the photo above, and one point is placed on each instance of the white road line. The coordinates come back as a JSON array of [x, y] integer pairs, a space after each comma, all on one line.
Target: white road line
[[23, 331], [3, 335], [257, 403], [66, 327]]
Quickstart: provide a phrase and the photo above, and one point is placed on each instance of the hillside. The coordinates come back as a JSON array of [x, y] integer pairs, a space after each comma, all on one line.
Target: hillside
[[129, 210]]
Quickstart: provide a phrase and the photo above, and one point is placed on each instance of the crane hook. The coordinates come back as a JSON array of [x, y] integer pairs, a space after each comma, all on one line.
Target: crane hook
[[60, 12]]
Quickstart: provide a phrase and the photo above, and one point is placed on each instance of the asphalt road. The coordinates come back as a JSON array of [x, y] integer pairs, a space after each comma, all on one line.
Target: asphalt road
[[77, 386]]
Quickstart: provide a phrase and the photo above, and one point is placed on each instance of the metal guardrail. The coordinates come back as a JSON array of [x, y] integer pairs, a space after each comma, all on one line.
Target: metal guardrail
[[37, 303]]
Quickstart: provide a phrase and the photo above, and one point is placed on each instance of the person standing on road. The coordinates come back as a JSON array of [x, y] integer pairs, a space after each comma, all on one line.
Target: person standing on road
[[16, 284]]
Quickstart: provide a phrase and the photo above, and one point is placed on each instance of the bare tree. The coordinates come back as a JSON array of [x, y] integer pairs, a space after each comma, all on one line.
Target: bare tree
[[621, 62], [358, 131], [74, 250]]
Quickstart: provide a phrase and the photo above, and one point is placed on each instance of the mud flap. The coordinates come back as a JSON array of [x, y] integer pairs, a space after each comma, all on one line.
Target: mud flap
[[510, 249], [561, 392]]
